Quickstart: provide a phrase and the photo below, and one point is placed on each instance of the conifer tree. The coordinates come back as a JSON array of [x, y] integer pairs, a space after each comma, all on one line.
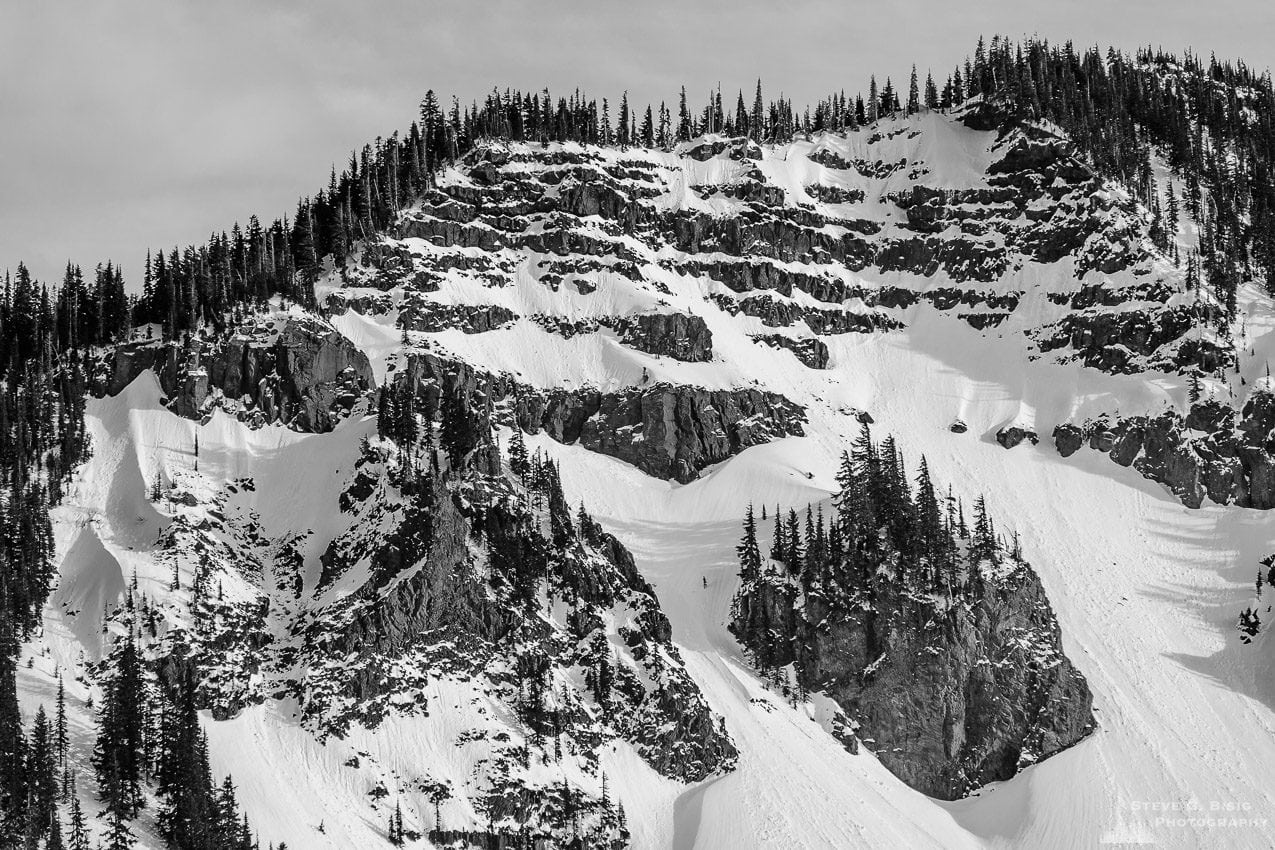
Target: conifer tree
[[748, 551], [792, 536], [622, 135], [42, 783], [685, 129], [778, 548], [79, 837], [61, 738], [118, 755], [757, 118]]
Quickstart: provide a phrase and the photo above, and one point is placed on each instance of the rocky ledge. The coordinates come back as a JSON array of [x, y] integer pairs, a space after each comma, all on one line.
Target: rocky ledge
[[936, 641], [669, 431], [1210, 452], [810, 351], [295, 370], [677, 335]]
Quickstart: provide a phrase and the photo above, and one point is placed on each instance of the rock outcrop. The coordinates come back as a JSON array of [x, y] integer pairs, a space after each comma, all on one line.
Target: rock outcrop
[[666, 430], [677, 335], [936, 640], [950, 694], [1210, 453], [436, 586], [674, 431], [1129, 341], [811, 351], [296, 370], [948, 713], [1012, 435], [432, 317]]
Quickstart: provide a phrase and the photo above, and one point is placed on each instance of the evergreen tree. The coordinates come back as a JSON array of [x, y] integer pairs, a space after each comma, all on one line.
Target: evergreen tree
[[118, 754], [685, 128], [748, 551], [792, 536], [61, 740], [42, 782], [79, 837], [778, 547], [757, 118]]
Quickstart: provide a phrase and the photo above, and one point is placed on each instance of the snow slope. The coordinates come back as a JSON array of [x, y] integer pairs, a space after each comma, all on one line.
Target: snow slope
[[1146, 592]]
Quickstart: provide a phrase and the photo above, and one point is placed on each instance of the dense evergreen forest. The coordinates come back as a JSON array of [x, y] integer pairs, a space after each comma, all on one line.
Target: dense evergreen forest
[[1210, 120], [146, 732], [42, 439]]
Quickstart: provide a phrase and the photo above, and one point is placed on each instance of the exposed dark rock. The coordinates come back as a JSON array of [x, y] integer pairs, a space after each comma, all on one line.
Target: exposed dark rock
[[983, 321], [431, 317], [958, 427], [1114, 341], [678, 335], [1042, 204], [1068, 439], [739, 148], [340, 302], [669, 431], [776, 313], [1012, 435], [810, 351], [746, 275], [675, 431], [847, 321], [1208, 453], [296, 370], [946, 709]]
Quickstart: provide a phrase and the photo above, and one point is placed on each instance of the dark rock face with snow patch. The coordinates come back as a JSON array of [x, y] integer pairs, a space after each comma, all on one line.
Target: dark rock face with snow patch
[[949, 701], [811, 351], [666, 430], [677, 335], [1012, 435], [461, 572], [431, 317], [296, 370], [1212, 452]]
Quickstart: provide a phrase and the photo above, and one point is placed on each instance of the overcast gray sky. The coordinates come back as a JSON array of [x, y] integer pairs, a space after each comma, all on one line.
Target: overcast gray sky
[[128, 125]]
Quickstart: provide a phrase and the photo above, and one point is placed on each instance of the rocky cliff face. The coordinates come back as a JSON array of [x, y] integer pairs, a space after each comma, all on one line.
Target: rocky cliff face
[[292, 369], [669, 431], [675, 335], [722, 217], [947, 706], [1211, 452], [933, 637]]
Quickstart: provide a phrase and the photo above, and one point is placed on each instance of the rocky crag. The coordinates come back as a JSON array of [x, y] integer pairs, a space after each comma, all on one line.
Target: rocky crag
[[1213, 451], [294, 369], [936, 640], [461, 576]]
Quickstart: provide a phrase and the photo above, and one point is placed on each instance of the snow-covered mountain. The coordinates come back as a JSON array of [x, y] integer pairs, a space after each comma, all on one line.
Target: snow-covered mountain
[[461, 546]]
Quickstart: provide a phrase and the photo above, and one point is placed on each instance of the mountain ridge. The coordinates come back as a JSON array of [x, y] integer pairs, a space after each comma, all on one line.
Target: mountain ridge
[[666, 335]]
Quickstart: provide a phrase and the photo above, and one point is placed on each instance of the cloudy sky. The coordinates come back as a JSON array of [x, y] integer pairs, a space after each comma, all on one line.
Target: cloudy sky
[[128, 125]]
